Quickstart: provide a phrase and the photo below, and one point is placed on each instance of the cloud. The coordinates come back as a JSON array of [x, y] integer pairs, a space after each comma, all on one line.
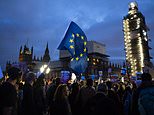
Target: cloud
[[42, 21]]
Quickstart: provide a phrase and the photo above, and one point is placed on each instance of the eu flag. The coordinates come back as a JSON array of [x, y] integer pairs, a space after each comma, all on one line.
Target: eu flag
[[75, 41]]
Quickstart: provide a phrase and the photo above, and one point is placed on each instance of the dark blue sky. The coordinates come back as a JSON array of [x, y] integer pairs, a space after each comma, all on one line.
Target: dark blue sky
[[42, 21]]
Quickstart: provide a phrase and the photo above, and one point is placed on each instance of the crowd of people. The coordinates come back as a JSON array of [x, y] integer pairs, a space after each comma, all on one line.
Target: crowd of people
[[36, 96]]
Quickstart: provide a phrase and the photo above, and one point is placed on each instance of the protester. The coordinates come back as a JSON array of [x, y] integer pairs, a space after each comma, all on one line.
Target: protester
[[115, 97], [143, 97], [8, 93], [100, 104], [28, 107], [20, 98], [127, 100], [50, 93], [61, 105], [86, 92], [75, 88], [40, 96]]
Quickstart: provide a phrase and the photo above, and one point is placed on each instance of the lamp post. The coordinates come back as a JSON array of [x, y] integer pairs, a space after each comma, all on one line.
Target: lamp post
[[45, 69]]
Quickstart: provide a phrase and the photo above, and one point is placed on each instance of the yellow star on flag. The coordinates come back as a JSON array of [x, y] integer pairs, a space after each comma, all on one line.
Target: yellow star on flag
[[82, 37], [77, 35], [81, 55], [77, 58], [85, 43], [71, 40], [85, 49], [73, 35], [71, 46]]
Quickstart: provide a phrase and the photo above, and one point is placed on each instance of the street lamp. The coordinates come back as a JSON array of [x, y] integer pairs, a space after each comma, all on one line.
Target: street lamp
[[45, 69]]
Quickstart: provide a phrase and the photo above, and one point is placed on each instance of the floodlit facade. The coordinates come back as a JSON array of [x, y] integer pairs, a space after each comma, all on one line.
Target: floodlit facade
[[136, 39]]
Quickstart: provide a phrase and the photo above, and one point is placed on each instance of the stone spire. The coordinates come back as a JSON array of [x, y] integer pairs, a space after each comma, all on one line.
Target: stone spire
[[46, 57]]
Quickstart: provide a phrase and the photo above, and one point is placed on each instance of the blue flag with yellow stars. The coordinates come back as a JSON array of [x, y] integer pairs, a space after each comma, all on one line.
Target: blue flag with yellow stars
[[75, 41]]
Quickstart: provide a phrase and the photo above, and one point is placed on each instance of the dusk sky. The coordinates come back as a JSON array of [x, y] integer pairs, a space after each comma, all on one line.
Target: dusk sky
[[42, 21]]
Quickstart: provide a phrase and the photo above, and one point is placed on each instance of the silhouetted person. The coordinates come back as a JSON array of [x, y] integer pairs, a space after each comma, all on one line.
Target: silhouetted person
[[61, 104], [28, 95], [8, 93], [143, 97], [20, 98], [73, 97], [39, 96], [51, 91], [100, 104], [86, 92], [127, 100]]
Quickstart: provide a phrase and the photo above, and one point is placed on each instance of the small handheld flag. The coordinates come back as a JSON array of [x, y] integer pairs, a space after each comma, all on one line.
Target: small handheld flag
[[75, 41]]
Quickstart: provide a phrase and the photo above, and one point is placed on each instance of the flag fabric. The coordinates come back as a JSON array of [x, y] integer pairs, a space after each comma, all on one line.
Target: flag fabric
[[75, 41]]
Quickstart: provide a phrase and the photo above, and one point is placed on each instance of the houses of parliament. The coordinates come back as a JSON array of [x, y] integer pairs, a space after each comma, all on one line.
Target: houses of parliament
[[98, 63], [27, 60]]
